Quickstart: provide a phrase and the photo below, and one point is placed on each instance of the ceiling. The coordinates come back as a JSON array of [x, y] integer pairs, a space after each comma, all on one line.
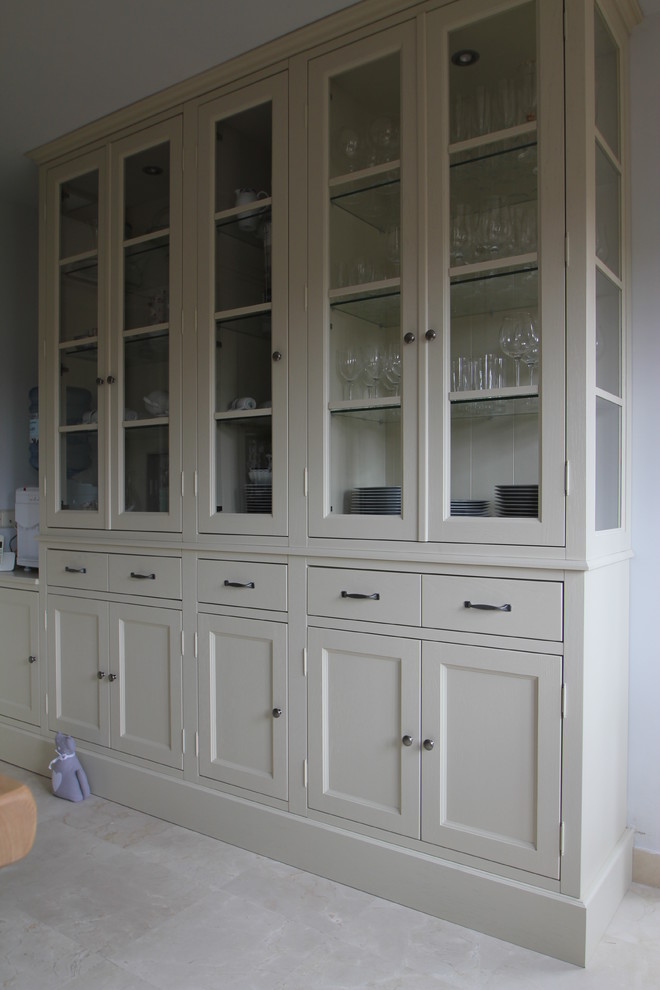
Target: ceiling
[[64, 63]]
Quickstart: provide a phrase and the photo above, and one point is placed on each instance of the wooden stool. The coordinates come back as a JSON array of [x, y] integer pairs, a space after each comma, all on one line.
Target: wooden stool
[[18, 820]]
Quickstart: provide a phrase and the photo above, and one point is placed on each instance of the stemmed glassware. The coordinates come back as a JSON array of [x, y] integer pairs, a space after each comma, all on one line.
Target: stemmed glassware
[[350, 365], [392, 371], [518, 337], [373, 370]]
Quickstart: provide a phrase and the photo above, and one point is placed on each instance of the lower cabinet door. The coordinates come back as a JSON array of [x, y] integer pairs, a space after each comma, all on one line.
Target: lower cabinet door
[[78, 666], [242, 703], [19, 655], [145, 683], [363, 728], [491, 754]]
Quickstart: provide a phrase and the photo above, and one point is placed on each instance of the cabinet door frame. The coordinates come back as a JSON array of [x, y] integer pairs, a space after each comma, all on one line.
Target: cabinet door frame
[[169, 753], [275, 91], [272, 782], [95, 729], [549, 528], [402, 816], [539, 853], [171, 521], [21, 664], [323, 522], [52, 482]]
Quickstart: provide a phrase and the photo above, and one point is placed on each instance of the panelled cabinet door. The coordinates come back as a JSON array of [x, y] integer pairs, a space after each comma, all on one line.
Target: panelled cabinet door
[[20, 665], [362, 315], [144, 379], [74, 409], [146, 694], [491, 754], [496, 274], [243, 703], [363, 728], [78, 668], [243, 310]]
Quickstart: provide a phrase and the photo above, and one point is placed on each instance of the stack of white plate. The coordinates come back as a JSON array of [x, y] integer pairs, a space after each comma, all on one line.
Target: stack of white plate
[[517, 500], [470, 507], [259, 498], [382, 500]]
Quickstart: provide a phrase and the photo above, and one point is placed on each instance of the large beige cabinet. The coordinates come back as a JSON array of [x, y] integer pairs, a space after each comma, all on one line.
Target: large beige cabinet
[[335, 499]]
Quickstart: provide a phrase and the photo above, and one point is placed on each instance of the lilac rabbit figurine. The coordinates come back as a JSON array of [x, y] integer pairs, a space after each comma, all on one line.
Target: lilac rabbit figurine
[[69, 778]]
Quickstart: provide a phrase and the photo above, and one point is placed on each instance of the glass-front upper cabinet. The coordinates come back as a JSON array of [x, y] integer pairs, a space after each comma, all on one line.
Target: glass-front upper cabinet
[[609, 281], [496, 275], [243, 311], [144, 380], [77, 225], [362, 310]]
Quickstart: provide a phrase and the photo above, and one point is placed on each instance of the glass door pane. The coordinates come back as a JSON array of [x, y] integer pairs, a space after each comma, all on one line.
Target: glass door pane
[[147, 317], [364, 356], [78, 343], [145, 416], [243, 311], [609, 392], [495, 329]]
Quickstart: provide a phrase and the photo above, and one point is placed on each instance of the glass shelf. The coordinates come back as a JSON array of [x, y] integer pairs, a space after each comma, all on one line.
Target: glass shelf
[[243, 414], [374, 200], [359, 405], [378, 303], [493, 394]]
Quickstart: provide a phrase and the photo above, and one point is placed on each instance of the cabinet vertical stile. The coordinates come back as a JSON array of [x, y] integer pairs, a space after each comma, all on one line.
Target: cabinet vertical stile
[[242, 317], [362, 289], [146, 308], [77, 288], [496, 279]]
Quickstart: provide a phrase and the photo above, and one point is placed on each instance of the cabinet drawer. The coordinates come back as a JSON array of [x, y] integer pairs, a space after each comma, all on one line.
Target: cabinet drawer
[[240, 582], [377, 596], [82, 569], [155, 577], [534, 609]]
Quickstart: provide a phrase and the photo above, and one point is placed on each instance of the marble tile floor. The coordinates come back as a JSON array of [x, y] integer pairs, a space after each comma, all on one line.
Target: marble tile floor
[[111, 899]]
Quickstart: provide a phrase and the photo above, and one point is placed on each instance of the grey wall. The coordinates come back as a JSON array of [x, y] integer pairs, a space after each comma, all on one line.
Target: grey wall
[[18, 344], [644, 732]]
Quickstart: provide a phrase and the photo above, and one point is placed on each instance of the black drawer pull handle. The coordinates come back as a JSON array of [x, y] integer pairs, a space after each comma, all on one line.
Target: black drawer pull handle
[[489, 608], [238, 584], [75, 570], [143, 577], [375, 597]]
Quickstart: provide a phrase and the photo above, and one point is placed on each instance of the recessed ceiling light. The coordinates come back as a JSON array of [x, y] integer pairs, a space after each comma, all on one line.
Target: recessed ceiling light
[[152, 170], [465, 57]]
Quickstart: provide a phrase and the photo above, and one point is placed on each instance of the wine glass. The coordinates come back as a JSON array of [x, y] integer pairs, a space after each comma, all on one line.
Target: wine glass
[[350, 148], [517, 337], [392, 370], [531, 358], [372, 370], [350, 366]]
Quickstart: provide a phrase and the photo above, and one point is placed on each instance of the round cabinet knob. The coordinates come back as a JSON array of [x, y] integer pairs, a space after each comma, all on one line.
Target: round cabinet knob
[[101, 675], [32, 659], [407, 740], [431, 334], [277, 355], [277, 712], [111, 380], [428, 744], [409, 338], [100, 381], [113, 677]]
